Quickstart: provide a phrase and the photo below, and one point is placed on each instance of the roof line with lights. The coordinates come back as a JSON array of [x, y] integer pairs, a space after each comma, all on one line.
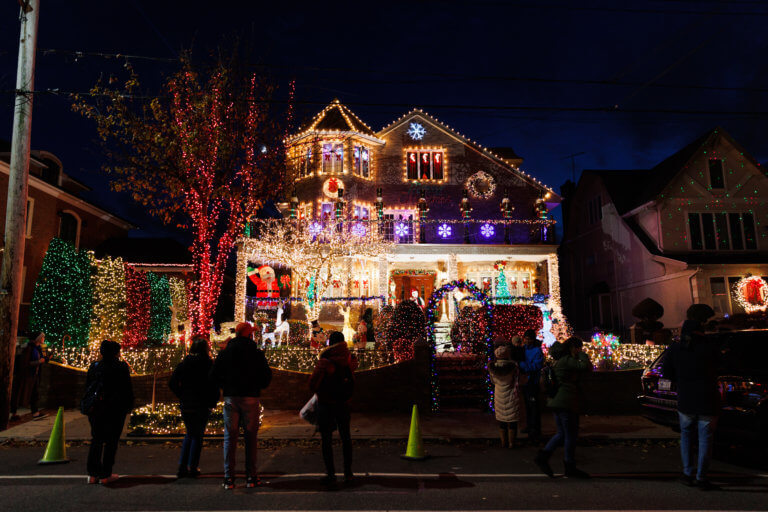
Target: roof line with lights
[[469, 142], [346, 113]]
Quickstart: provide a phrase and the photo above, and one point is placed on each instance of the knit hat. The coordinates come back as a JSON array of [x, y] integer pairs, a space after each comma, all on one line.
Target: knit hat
[[244, 329], [503, 352]]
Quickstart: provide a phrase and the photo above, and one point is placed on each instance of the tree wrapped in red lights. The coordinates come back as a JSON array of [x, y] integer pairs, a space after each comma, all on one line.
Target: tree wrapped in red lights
[[408, 327], [137, 295], [514, 320], [203, 155]]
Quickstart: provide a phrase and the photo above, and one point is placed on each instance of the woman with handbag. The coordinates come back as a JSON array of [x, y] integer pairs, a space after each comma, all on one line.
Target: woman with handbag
[[197, 393], [506, 397]]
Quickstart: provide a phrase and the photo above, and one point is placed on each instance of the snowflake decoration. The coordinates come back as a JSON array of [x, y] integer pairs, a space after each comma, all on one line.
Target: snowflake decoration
[[315, 228], [487, 230], [444, 230], [401, 230], [358, 229], [416, 131]]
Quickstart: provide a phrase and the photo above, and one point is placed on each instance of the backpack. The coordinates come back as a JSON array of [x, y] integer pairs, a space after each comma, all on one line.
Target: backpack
[[549, 383], [93, 399]]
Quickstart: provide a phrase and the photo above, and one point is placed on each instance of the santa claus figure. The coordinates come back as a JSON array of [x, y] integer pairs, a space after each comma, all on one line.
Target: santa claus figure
[[415, 297], [266, 285]]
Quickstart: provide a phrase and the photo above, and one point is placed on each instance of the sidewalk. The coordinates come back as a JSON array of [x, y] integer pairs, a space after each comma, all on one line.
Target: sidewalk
[[446, 425]]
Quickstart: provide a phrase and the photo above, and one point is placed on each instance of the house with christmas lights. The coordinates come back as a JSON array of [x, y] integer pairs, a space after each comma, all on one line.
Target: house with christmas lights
[[689, 230], [448, 208]]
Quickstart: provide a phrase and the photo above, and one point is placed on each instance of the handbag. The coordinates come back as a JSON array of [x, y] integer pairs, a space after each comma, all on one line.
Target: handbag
[[309, 412]]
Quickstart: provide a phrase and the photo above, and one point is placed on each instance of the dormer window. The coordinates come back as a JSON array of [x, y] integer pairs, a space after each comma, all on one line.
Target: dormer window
[[305, 162], [361, 161], [424, 165], [716, 179], [333, 157]]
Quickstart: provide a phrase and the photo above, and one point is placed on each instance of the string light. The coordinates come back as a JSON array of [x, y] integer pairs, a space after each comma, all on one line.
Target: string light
[[109, 314], [751, 293], [481, 185], [137, 294], [159, 309]]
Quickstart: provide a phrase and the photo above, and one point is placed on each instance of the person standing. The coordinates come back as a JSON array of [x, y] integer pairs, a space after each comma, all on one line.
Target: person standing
[[571, 363], [30, 365], [107, 418], [506, 399], [531, 366], [333, 383], [241, 371], [197, 394], [692, 365]]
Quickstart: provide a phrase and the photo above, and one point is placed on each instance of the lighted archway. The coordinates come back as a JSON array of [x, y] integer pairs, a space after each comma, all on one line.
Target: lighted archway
[[434, 301]]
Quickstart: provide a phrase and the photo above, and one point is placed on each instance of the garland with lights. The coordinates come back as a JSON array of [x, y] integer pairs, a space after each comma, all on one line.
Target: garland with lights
[[432, 308], [62, 300], [476, 180], [751, 293]]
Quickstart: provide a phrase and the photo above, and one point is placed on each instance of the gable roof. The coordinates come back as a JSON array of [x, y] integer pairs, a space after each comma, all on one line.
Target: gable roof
[[554, 197], [337, 117], [145, 250]]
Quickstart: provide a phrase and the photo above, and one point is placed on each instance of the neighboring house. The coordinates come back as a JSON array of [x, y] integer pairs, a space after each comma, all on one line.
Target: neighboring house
[[414, 155], [683, 232], [54, 210]]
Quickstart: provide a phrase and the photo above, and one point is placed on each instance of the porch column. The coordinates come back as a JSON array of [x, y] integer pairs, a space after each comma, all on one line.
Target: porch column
[[240, 283], [452, 269], [383, 278], [554, 303]]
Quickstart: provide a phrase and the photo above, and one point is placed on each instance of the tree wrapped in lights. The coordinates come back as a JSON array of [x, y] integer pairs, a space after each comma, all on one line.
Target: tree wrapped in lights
[[62, 300], [501, 286], [202, 155], [109, 301], [316, 251], [159, 309], [137, 293], [178, 290]]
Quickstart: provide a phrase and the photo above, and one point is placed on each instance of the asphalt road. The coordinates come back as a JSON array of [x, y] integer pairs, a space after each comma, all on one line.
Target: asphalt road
[[457, 476]]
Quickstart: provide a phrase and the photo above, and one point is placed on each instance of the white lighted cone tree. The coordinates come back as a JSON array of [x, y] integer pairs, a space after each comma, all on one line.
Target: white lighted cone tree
[[316, 251]]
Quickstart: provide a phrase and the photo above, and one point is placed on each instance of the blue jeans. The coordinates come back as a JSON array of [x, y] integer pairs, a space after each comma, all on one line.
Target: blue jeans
[[241, 411], [706, 432], [195, 421], [567, 431]]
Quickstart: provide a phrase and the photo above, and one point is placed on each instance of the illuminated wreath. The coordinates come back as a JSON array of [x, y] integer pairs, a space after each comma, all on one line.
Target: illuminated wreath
[[751, 293], [481, 185]]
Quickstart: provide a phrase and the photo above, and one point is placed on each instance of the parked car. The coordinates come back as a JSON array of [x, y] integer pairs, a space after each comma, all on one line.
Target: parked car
[[742, 381]]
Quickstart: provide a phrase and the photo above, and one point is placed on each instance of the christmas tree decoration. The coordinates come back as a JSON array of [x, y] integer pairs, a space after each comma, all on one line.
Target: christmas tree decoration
[[159, 309], [137, 293], [62, 300], [502, 292], [109, 302], [751, 293]]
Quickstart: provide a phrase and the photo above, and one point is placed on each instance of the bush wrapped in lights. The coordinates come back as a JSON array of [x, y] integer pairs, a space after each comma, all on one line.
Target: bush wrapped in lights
[[514, 320], [608, 354], [408, 323], [165, 420], [468, 331]]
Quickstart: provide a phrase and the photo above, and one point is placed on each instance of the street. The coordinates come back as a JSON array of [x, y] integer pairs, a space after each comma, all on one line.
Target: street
[[459, 475]]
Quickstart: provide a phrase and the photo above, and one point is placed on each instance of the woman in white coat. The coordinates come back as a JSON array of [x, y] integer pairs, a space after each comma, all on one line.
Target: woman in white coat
[[504, 374]]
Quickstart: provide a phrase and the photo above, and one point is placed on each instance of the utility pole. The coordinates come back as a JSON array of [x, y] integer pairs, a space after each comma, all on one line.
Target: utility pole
[[16, 206]]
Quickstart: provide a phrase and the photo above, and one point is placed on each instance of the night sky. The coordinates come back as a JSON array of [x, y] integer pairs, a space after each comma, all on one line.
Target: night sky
[[626, 86]]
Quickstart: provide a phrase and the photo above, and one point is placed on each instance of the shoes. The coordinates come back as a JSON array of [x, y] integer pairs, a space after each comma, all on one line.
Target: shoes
[[183, 472], [571, 471], [38, 415], [542, 461], [706, 485], [109, 479], [15, 417], [328, 480], [193, 473], [687, 480], [229, 483], [252, 481], [92, 480]]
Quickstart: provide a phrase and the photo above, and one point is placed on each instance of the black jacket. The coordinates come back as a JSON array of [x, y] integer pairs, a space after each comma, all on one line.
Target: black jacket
[[692, 364], [191, 382], [117, 387], [241, 369]]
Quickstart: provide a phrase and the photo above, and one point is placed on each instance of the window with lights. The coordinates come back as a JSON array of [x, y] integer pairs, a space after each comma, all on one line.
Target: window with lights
[[333, 157], [361, 161], [305, 162], [398, 226], [424, 164]]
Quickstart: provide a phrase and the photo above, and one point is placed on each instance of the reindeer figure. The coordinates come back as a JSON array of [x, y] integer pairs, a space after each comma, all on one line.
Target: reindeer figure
[[282, 329]]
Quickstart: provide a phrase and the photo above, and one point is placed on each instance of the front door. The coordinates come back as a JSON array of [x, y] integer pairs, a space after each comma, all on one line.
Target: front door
[[422, 283]]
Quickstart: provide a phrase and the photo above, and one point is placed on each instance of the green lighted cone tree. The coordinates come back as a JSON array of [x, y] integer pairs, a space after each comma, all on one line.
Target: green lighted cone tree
[[159, 309], [62, 300], [502, 290]]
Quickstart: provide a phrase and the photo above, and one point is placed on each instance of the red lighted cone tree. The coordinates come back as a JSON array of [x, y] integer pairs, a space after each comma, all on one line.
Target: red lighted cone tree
[[203, 155]]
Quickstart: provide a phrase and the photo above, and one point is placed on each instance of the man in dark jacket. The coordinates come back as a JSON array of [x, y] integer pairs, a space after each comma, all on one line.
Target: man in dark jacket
[[108, 417], [333, 381], [241, 371], [531, 366], [692, 365]]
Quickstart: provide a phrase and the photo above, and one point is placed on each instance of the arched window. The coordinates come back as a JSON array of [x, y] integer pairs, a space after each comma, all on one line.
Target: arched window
[[69, 227]]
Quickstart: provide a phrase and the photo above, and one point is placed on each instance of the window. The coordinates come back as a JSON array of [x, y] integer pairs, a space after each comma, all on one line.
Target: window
[[716, 179], [361, 161], [424, 165], [361, 212], [722, 231], [719, 292], [305, 162], [333, 157], [69, 228], [602, 311], [30, 213], [305, 211], [398, 227], [595, 210]]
